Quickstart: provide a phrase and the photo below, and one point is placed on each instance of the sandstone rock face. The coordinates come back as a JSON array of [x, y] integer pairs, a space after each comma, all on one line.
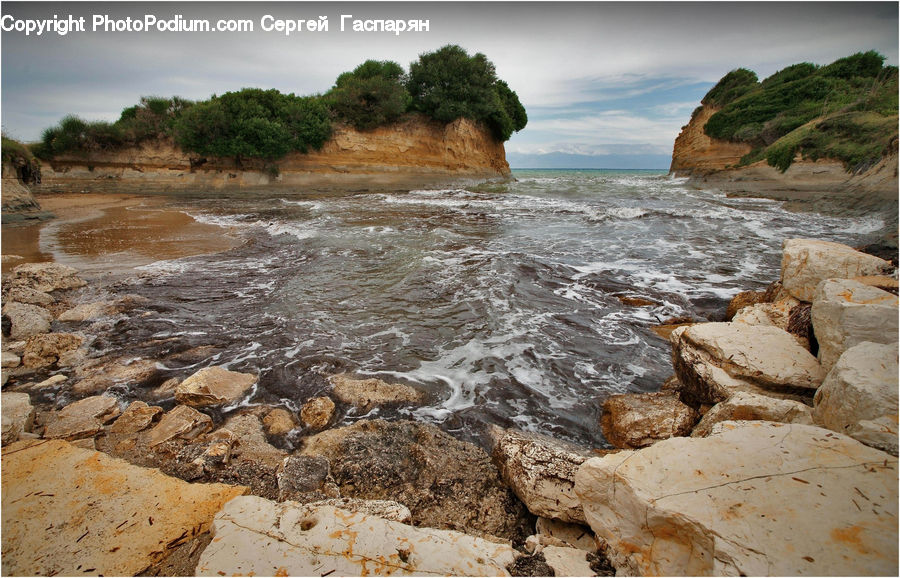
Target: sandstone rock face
[[715, 360], [84, 418], [446, 483], [18, 415], [541, 471], [317, 412], [279, 421], [745, 406], [805, 263], [70, 511], [859, 396], [254, 536], [181, 422], [46, 277], [695, 153], [137, 417], [27, 320], [45, 350], [368, 393], [753, 498], [846, 313], [633, 421], [212, 386]]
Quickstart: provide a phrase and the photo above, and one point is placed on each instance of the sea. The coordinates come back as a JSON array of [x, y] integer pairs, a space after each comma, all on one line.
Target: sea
[[509, 304]]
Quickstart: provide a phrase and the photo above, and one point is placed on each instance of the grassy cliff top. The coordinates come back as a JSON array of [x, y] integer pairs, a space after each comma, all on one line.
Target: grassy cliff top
[[847, 110]]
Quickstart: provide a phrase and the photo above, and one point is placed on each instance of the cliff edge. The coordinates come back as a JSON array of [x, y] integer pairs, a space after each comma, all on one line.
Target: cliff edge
[[413, 153]]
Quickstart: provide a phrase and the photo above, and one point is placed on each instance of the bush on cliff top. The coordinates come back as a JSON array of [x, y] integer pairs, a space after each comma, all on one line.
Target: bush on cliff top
[[373, 95], [804, 108]]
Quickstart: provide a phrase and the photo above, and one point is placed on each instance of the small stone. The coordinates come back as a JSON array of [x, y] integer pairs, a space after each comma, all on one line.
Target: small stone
[[637, 420], [636, 301], [138, 416], [317, 412], [368, 393], [279, 421], [88, 312], [567, 561], [52, 381], [213, 386], [181, 422], [100, 375], [253, 443]]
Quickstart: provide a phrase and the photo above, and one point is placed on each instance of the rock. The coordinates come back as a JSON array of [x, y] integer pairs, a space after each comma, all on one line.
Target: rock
[[46, 277], [636, 301], [69, 511], [299, 475], [368, 393], [379, 508], [73, 357], [10, 360], [741, 300], [84, 418], [17, 347], [574, 535], [52, 381], [89, 312], [541, 471], [100, 375], [859, 396], [567, 561], [753, 498], [776, 313], [17, 414], [137, 417], [317, 413], [446, 483], [846, 313], [715, 360], [745, 406], [44, 350], [254, 536], [883, 282], [805, 263], [30, 296], [253, 444], [635, 420], [213, 386], [181, 422], [665, 330], [167, 388], [279, 421], [26, 320]]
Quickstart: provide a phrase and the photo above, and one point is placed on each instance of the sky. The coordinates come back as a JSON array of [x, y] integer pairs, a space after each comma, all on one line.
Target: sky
[[604, 84]]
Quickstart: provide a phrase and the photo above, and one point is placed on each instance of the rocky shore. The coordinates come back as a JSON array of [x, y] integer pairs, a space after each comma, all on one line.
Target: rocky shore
[[771, 451]]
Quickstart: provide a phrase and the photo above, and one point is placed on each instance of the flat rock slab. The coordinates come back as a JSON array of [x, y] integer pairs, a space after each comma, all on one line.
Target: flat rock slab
[[806, 262], [84, 418], [754, 498], [257, 537], [73, 512], [181, 422], [213, 386]]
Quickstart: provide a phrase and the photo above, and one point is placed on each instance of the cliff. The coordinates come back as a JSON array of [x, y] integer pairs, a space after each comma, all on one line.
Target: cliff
[[696, 154], [416, 152], [18, 204]]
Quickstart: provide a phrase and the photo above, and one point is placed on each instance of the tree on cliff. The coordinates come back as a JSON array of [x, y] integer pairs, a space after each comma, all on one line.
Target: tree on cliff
[[448, 83], [253, 123], [374, 94]]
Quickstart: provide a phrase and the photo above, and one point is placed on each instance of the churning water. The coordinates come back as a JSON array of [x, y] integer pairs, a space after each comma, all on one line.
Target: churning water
[[502, 303]]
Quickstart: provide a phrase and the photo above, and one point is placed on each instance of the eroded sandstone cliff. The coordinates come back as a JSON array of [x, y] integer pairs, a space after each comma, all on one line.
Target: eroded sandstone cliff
[[416, 152], [696, 154]]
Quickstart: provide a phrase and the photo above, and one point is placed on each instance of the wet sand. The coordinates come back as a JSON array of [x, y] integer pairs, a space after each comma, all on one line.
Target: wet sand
[[109, 234]]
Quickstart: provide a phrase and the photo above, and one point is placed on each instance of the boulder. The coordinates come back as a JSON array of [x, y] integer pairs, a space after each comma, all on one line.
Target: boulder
[[69, 511], [279, 421], [26, 320], [805, 263], [541, 471], [45, 350], [83, 419], [446, 483], [88, 312], [46, 277], [181, 422], [213, 386], [859, 396], [317, 413], [754, 499], [100, 375], [846, 313], [138, 416], [255, 536], [17, 414], [715, 360], [29, 295], [368, 393], [746, 406], [636, 420]]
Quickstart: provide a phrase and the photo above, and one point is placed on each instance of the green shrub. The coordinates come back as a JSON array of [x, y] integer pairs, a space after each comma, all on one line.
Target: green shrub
[[374, 94], [733, 85]]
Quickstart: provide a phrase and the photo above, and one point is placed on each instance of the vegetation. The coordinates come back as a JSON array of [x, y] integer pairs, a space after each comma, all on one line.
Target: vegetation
[[847, 110], [266, 124], [16, 154]]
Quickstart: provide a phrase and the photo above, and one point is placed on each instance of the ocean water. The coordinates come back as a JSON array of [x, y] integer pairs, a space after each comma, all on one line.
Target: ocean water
[[501, 302]]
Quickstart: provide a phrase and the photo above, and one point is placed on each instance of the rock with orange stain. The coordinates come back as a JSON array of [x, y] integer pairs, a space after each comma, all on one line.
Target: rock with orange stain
[[846, 313], [71, 511], [806, 262], [860, 396], [213, 386], [753, 498], [255, 536]]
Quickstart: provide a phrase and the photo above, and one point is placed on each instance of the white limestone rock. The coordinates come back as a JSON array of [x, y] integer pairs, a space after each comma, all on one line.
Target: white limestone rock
[[807, 262], [745, 406]]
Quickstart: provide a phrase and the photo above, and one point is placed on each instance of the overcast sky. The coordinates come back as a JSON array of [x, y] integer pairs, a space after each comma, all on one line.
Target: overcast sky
[[595, 78]]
